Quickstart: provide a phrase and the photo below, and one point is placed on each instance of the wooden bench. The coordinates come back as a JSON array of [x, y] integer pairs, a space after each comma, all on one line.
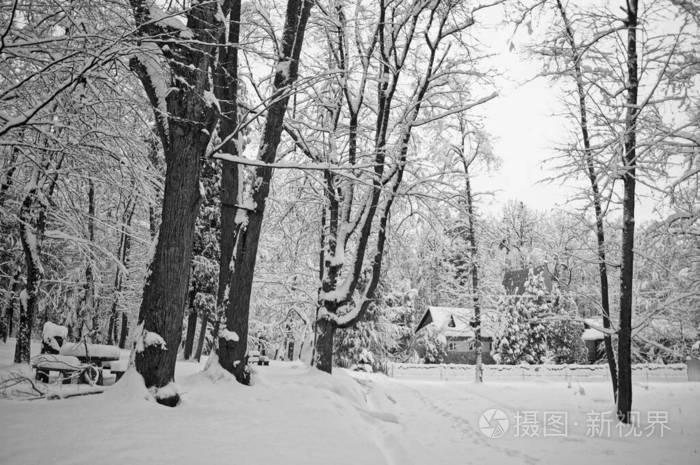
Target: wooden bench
[[118, 367], [69, 368], [101, 356]]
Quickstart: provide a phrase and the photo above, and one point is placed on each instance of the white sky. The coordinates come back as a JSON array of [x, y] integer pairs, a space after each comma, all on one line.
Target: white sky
[[525, 128]]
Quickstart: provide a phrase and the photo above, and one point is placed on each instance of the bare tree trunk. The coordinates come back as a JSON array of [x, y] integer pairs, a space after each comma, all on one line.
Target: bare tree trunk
[[32, 224], [123, 254], [624, 349], [8, 176], [124, 332], [89, 274], [29, 297], [202, 335], [597, 204], [226, 90], [324, 345], [8, 313], [185, 132], [166, 287], [473, 252], [232, 356], [191, 325]]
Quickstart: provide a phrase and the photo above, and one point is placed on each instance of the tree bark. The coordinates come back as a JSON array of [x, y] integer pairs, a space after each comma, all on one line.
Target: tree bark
[[473, 253], [166, 287], [8, 313], [232, 356], [597, 203], [191, 118], [89, 274], [202, 335], [8, 176], [324, 345], [123, 254], [226, 90], [191, 326], [124, 332], [624, 349], [29, 297]]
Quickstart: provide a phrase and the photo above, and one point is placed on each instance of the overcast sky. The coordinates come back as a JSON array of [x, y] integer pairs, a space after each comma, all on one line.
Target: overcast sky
[[526, 127]]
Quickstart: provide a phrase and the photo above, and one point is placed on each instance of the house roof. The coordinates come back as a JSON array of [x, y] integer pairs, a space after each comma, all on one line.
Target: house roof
[[456, 321], [514, 280]]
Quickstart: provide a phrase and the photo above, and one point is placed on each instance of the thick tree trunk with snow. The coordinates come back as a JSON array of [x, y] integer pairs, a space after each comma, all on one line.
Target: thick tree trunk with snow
[[165, 292], [624, 348], [325, 331], [185, 132], [232, 354], [226, 90]]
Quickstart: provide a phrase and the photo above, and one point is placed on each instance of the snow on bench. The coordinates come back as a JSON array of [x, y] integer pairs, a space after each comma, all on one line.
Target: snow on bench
[[57, 362], [117, 365], [96, 351], [68, 367], [52, 336]]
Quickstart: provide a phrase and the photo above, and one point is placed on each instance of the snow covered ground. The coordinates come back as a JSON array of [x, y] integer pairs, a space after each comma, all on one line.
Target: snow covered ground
[[296, 415]]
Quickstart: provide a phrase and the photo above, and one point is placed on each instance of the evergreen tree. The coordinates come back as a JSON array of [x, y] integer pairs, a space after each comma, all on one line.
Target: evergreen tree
[[523, 337]]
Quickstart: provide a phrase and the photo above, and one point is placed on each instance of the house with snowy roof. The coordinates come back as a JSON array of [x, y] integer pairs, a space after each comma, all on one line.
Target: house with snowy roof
[[660, 331], [456, 325]]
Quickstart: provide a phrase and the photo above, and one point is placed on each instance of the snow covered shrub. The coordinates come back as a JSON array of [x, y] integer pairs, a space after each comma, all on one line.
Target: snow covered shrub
[[385, 332], [523, 337], [565, 343], [433, 345], [351, 344]]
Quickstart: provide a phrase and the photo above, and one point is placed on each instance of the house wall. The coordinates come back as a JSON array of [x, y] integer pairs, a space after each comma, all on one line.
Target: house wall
[[458, 351]]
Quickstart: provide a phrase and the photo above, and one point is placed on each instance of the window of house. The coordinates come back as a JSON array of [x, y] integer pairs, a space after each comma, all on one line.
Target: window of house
[[451, 345]]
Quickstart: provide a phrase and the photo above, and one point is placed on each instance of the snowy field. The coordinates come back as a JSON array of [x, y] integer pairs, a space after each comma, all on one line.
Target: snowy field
[[296, 415]]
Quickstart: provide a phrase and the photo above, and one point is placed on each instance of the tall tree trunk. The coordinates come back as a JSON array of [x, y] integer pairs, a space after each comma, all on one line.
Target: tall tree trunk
[[123, 254], [226, 90], [325, 331], [624, 349], [191, 325], [29, 297], [232, 356], [89, 273], [165, 292], [8, 312], [473, 253], [8, 176], [202, 335], [597, 203], [185, 132], [124, 332]]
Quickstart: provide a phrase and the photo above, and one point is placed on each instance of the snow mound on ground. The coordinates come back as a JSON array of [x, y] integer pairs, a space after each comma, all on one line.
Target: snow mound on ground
[[18, 383], [130, 388]]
